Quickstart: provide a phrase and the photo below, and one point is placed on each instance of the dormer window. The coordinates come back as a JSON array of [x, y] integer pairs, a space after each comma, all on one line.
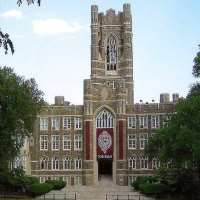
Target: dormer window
[[111, 53]]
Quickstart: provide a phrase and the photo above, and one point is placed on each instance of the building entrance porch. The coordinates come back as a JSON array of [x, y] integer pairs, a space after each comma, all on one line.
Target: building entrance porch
[[105, 168]]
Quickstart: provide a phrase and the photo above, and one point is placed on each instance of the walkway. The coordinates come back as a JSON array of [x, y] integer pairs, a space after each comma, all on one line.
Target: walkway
[[98, 192]]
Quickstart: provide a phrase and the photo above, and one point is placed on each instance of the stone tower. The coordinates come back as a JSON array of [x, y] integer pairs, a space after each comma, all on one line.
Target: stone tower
[[111, 47], [107, 94]]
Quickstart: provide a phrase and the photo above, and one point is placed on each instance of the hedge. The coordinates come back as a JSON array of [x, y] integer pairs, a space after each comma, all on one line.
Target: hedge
[[142, 180], [39, 189], [154, 188], [57, 184]]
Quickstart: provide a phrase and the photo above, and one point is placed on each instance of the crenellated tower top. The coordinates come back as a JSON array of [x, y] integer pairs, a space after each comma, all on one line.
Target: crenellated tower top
[[110, 16]]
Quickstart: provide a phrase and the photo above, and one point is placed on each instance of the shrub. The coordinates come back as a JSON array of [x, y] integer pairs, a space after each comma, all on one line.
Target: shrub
[[39, 189], [154, 188], [57, 184], [140, 180]]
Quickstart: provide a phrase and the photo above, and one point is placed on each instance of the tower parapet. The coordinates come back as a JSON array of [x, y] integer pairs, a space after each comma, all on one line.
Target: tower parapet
[[127, 18], [94, 15]]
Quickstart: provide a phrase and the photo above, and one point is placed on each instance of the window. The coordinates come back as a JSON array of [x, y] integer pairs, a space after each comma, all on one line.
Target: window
[[77, 163], [55, 123], [67, 142], [111, 53], [66, 123], [67, 164], [18, 162], [43, 142], [77, 180], [111, 84], [132, 122], [143, 140], [44, 163], [55, 142], [155, 121], [42, 179], [166, 118], [77, 142], [144, 163], [132, 163], [143, 121], [131, 179], [67, 179], [132, 141], [43, 124], [104, 120], [78, 122], [155, 163], [55, 178], [55, 163]]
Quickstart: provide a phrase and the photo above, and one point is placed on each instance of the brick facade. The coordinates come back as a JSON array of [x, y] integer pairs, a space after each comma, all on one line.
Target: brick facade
[[69, 145]]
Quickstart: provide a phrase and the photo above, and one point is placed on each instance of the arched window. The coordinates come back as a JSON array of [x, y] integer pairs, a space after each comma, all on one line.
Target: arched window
[[155, 163], [55, 163], [67, 163], [111, 53], [104, 120], [77, 163], [144, 162], [44, 163], [132, 163]]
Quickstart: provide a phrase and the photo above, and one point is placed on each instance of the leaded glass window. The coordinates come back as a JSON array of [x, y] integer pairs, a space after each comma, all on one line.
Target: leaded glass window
[[111, 53], [104, 120]]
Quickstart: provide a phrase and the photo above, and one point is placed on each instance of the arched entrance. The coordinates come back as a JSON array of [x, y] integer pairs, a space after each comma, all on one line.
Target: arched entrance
[[105, 143]]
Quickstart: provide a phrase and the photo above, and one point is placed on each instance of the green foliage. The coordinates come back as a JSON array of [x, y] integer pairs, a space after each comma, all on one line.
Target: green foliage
[[20, 101], [154, 188], [140, 180], [179, 181], [195, 88], [6, 43], [178, 144], [196, 67], [29, 180], [39, 189], [57, 184], [16, 181], [29, 2], [168, 181]]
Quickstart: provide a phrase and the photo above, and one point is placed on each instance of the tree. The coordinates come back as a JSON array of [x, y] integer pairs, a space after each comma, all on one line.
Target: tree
[[20, 101], [196, 67], [19, 2], [178, 144], [5, 41], [195, 88]]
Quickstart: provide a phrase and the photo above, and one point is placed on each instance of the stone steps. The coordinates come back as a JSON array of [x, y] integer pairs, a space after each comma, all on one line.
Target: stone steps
[[99, 192]]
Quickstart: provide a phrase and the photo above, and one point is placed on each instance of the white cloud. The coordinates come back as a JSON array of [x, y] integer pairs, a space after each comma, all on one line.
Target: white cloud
[[12, 13], [53, 26]]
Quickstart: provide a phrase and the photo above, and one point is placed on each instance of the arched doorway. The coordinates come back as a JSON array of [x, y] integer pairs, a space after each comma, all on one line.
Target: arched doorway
[[105, 143]]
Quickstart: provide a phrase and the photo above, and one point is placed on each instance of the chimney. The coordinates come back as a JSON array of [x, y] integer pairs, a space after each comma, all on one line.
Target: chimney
[[164, 98], [175, 97], [59, 100]]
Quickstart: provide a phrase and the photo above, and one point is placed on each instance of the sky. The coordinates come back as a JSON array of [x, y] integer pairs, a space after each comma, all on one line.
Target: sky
[[52, 44]]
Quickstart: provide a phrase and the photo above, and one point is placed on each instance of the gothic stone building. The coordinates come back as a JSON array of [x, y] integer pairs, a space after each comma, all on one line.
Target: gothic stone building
[[107, 134]]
